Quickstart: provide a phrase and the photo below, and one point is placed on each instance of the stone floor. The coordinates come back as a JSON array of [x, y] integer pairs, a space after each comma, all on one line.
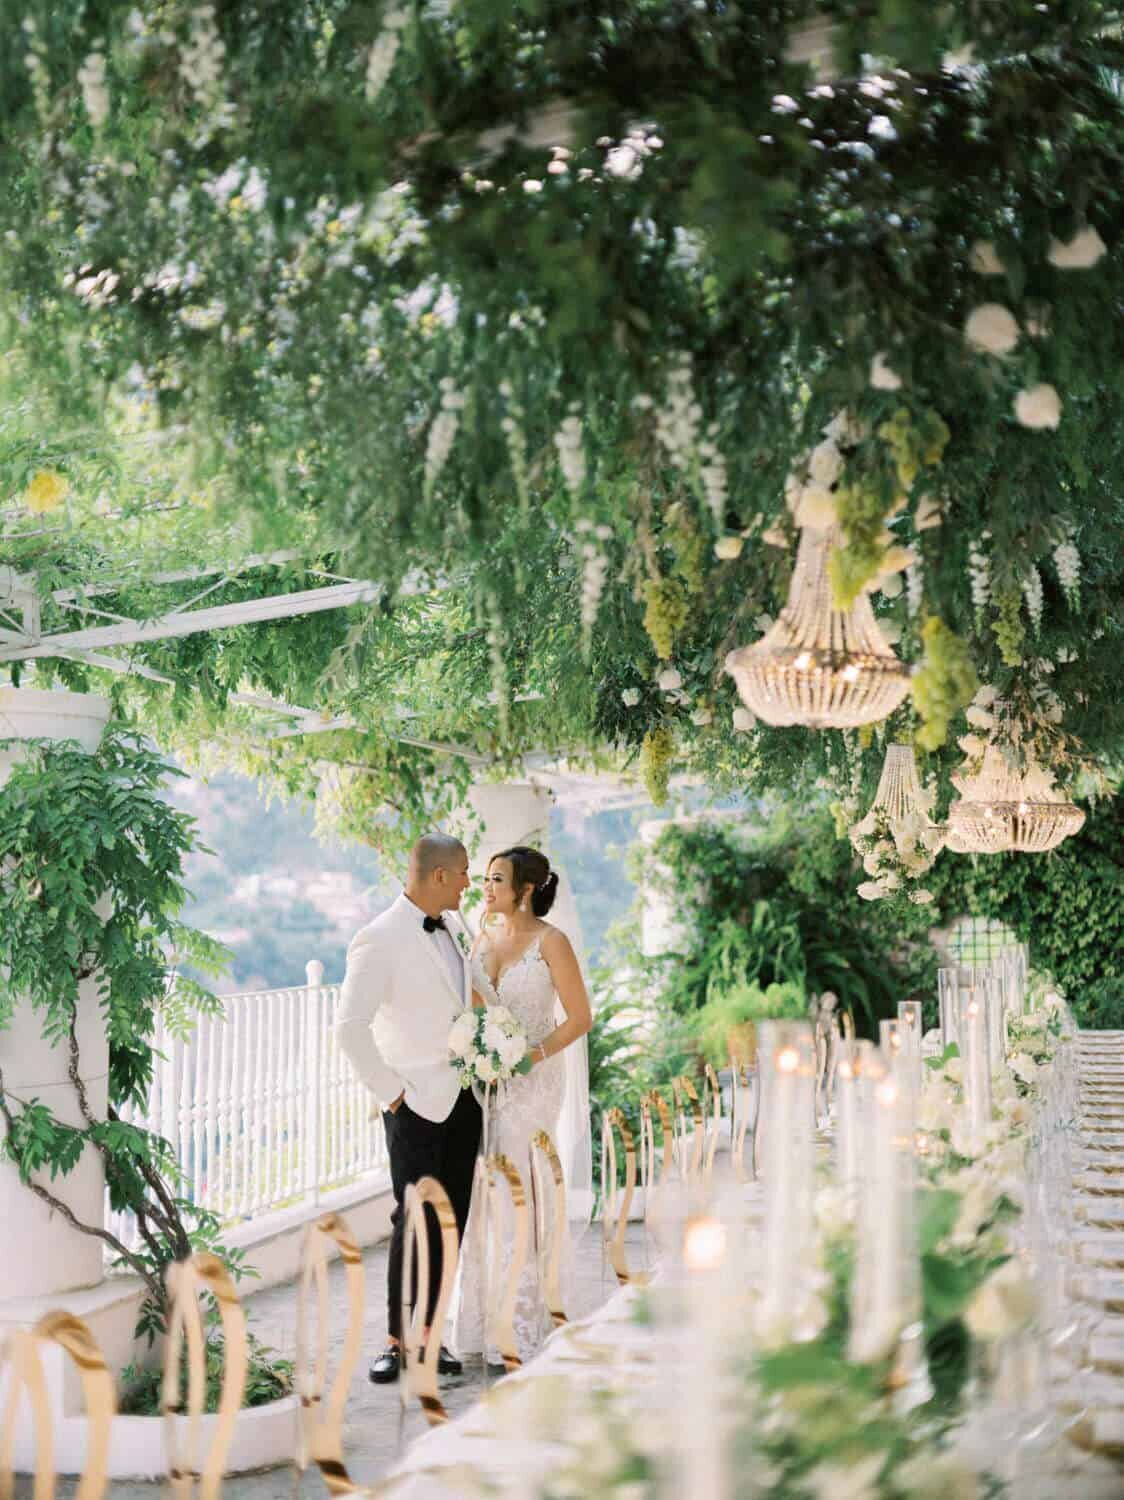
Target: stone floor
[[376, 1433]]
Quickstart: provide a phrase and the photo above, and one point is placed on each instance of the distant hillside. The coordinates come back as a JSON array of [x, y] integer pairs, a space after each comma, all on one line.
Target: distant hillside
[[278, 897]]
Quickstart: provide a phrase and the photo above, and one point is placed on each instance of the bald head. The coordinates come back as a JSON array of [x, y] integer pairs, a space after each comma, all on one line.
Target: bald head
[[438, 874]]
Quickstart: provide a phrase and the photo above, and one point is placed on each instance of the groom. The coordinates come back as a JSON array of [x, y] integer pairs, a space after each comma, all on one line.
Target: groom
[[407, 980]]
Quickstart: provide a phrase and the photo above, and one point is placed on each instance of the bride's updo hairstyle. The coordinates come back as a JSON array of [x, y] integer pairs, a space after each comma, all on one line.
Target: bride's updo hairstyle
[[530, 867]]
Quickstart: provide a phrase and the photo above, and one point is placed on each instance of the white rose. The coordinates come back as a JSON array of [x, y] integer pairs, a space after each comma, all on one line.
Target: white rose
[[485, 1068], [1005, 1303], [462, 1037], [992, 328], [826, 463], [817, 507], [512, 1050], [1078, 254], [986, 695], [494, 1035], [979, 717], [532, 185], [630, 697], [669, 680], [983, 259], [744, 721], [871, 890], [1039, 407], [954, 1069], [882, 377]]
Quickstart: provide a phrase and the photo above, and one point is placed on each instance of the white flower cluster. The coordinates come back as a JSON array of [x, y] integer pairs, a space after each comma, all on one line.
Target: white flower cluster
[[808, 489], [1032, 593], [95, 289], [487, 1045], [384, 49], [571, 454], [1067, 565], [1038, 407], [95, 94], [979, 573], [914, 590], [1080, 253], [678, 421], [626, 158], [202, 58], [896, 853], [442, 432], [992, 329], [595, 568]]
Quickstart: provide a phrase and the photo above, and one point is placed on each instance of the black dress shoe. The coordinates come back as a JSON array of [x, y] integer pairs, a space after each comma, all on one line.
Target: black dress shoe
[[448, 1364], [384, 1371]]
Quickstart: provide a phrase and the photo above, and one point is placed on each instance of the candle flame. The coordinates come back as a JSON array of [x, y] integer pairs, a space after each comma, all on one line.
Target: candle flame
[[704, 1245], [887, 1092], [788, 1060], [845, 1069]]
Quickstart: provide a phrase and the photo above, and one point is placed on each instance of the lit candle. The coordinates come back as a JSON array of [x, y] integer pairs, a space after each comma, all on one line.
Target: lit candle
[[704, 1448], [854, 1061], [977, 1070], [788, 1059]]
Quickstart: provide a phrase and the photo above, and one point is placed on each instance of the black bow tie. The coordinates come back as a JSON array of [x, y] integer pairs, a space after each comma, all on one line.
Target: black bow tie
[[431, 924]]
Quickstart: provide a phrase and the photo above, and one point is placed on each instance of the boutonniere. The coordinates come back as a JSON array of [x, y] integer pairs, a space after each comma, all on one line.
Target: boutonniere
[[461, 940]]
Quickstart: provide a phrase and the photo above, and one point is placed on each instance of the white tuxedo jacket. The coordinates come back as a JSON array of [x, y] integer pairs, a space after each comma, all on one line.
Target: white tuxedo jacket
[[396, 1007]]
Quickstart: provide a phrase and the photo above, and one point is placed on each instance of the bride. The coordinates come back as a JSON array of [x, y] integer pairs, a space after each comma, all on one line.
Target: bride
[[527, 964]]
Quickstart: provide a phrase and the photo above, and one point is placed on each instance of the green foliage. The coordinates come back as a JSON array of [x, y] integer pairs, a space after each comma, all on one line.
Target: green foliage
[[776, 904], [268, 1378], [1100, 1005], [736, 1002], [93, 858], [945, 683]]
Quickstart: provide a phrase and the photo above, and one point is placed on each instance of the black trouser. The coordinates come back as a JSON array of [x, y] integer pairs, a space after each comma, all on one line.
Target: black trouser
[[445, 1149]]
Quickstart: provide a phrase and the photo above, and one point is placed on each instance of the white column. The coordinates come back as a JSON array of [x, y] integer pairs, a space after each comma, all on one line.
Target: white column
[[43, 1255]]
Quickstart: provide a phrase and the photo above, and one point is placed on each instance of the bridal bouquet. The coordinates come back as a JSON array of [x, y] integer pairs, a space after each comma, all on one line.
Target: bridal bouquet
[[488, 1045]]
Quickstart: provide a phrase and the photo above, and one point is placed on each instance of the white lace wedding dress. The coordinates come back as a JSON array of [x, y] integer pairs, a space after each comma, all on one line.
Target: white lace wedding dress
[[527, 1104]]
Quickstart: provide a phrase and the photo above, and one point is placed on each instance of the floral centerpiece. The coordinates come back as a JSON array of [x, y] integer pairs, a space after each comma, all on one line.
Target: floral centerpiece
[[488, 1045]]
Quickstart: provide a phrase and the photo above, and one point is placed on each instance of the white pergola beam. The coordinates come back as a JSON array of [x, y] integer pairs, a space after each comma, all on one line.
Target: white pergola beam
[[177, 623], [182, 575]]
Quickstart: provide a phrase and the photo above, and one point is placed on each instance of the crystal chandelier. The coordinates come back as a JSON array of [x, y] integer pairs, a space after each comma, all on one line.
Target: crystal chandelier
[[819, 666], [1000, 809], [900, 803]]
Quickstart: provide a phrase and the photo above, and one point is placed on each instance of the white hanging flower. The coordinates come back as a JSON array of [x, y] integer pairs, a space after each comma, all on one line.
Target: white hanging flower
[[726, 548], [1038, 407], [744, 720], [1067, 565], [95, 95], [979, 574], [630, 697], [679, 419], [384, 49], [669, 680], [992, 328], [984, 260], [571, 455], [882, 377], [1080, 253], [1032, 593], [442, 432]]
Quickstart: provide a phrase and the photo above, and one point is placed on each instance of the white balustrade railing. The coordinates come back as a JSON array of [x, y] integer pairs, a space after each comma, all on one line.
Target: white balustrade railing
[[259, 1105]]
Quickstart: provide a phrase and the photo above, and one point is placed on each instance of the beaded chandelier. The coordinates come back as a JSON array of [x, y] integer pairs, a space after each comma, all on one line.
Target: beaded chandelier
[[1000, 809], [902, 804], [819, 666]]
